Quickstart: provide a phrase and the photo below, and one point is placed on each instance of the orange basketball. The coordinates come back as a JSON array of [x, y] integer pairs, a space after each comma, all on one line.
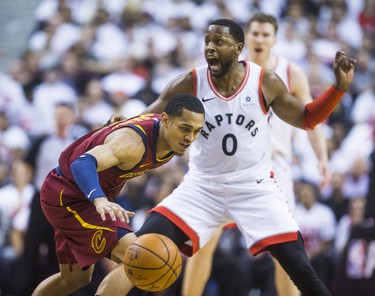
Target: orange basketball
[[152, 262]]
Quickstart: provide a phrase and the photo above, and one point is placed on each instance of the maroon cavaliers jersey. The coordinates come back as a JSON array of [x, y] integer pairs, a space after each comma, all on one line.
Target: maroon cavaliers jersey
[[113, 179]]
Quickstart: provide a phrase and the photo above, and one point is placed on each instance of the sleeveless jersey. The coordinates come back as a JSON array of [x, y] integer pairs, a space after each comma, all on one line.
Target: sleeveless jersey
[[282, 132], [234, 144], [113, 179]]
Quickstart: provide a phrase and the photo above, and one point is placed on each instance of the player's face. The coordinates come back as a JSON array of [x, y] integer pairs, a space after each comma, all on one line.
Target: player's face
[[221, 50], [261, 37], [182, 131]]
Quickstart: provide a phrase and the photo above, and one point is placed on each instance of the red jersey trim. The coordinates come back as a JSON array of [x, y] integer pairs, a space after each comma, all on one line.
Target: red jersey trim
[[230, 226], [183, 226], [260, 246], [264, 109], [194, 73], [240, 88]]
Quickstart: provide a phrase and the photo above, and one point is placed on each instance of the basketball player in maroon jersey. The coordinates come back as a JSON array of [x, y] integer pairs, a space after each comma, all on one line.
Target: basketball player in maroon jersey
[[78, 196]]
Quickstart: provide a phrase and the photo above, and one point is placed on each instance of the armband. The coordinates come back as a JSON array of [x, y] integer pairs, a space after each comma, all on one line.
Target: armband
[[85, 175], [318, 110]]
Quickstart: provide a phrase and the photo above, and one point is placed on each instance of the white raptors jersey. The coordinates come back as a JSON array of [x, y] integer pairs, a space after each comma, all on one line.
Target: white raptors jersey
[[282, 132], [234, 144]]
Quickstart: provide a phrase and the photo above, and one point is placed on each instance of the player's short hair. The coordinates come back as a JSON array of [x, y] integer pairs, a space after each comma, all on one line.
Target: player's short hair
[[183, 101], [234, 29], [261, 17]]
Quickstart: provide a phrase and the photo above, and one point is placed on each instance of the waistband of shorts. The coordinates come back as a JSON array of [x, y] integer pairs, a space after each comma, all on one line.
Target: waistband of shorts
[[58, 171]]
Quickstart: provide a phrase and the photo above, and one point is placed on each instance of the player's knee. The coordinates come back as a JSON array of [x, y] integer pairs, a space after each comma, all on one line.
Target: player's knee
[[304, 269], [77, 280]]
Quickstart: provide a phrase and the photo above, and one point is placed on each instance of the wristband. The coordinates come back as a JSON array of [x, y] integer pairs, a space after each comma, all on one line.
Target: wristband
[[86, 177], [318, 110]]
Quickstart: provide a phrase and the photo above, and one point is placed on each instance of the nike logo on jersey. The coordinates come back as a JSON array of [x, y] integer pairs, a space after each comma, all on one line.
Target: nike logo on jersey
[[88, 196], [209, 99], [259, 180]]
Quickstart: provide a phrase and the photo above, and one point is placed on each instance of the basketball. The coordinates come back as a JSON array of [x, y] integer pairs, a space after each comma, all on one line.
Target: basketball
[[152, 262]]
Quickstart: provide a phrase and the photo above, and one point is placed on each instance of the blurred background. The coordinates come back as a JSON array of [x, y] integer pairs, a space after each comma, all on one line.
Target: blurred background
[[67, 65]]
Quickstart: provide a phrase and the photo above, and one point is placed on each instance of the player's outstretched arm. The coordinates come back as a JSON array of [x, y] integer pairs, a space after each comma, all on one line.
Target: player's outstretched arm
[[288, 107]]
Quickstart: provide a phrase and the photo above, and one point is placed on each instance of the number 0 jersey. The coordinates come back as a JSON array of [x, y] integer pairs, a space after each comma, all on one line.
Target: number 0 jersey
[[234, 144]]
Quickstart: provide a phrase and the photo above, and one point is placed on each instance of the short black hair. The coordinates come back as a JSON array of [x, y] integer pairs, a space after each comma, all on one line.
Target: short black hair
[[183, 101], [263, 18], [234, 29]]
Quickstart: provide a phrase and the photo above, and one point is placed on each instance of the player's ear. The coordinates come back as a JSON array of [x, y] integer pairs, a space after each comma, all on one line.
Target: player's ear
[[239, 47], [164, 118]]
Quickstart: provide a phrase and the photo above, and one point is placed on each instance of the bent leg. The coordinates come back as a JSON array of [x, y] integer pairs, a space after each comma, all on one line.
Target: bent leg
[[292, 257], [198, 268], [157, 223], [68, 280], [116, 282]]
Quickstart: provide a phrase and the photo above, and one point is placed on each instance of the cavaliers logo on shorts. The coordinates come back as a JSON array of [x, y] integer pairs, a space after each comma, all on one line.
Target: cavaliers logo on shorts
[[98, 242]]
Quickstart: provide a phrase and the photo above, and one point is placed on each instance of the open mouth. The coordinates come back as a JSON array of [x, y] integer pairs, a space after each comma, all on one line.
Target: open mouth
[[214, 64]]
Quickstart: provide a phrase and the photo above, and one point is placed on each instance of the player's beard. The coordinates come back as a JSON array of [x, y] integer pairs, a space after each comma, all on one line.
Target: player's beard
[[224, 69]]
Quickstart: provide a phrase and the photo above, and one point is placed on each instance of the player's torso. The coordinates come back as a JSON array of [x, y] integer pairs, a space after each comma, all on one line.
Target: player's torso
[[281, 132], [235, 140], [112, 179]]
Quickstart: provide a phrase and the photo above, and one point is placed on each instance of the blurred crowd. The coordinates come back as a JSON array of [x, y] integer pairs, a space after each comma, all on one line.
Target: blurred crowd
[[88, 59]]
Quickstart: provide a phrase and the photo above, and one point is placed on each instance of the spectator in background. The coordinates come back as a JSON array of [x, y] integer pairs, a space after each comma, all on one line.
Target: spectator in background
[[318, 225], [14, 141], [110, 42], [15, 202], [367, 17], [12, 97], [94, 107], [357, 181], [354, 217], [365, 73], [363, 118], [356, 274], [49, 93], [334, 197]]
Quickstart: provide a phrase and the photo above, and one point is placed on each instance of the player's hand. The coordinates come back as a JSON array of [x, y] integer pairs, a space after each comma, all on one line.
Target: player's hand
[[114, 118], [325, 174], [343, 67], [104, 206]]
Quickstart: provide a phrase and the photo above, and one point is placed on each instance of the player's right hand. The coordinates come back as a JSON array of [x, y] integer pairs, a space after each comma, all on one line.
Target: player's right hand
[[115, 117], [104, 206]]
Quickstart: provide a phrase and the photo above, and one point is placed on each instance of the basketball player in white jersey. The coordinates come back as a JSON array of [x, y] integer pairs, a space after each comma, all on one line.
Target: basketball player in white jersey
[[230, 176], [260, 38]]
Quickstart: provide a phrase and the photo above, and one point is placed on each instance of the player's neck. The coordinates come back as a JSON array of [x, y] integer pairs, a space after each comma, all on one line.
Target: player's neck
[[228, 84]]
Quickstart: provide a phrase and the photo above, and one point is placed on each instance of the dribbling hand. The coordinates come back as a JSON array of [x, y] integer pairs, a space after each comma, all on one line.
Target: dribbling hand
[[343, 67], [104, 206]]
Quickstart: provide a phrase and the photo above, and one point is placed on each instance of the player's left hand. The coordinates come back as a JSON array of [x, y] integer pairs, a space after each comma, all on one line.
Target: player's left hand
[[343, 67], [325, 173]]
